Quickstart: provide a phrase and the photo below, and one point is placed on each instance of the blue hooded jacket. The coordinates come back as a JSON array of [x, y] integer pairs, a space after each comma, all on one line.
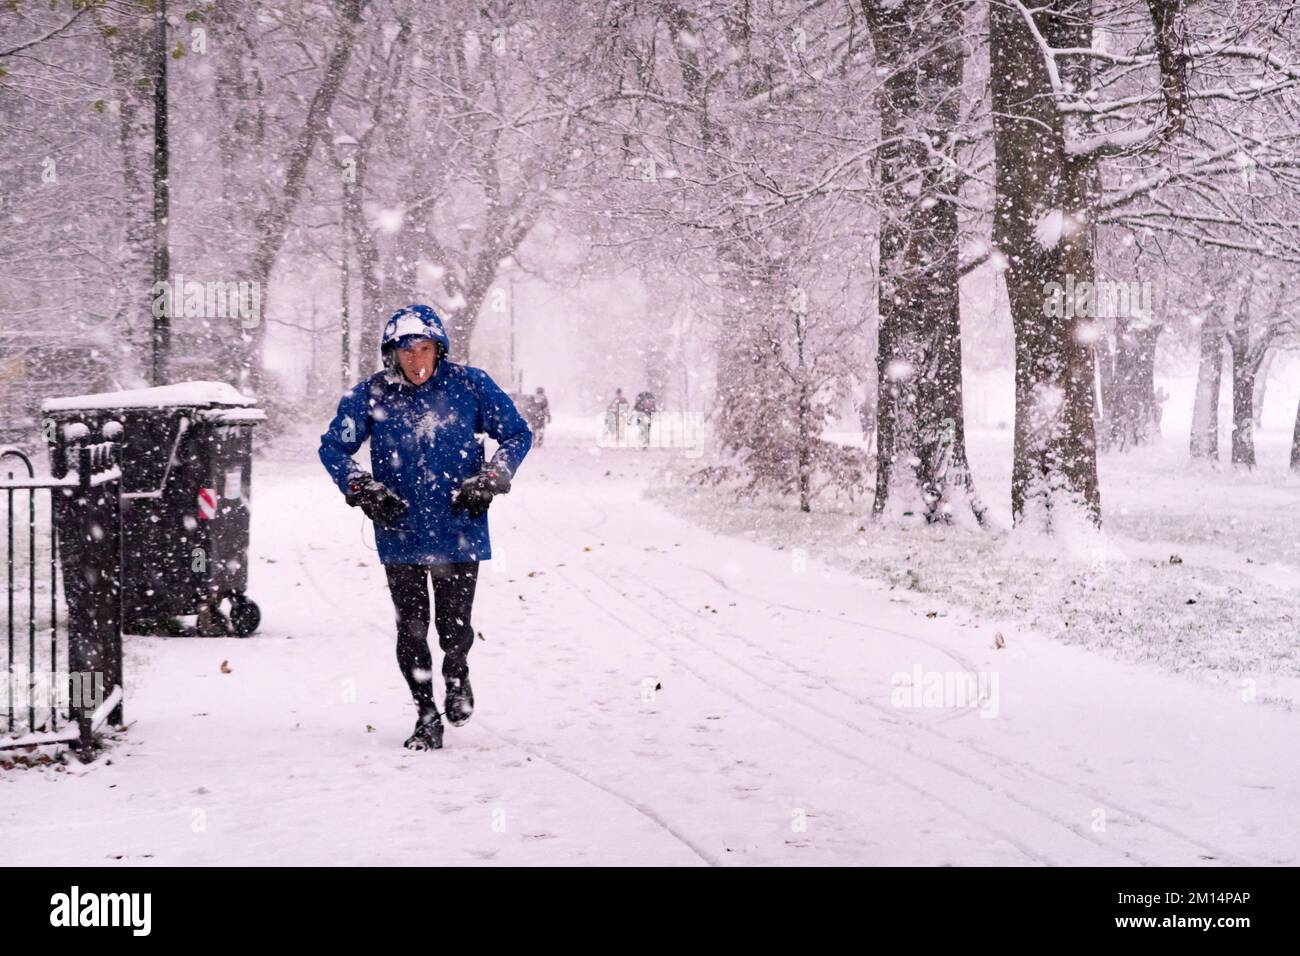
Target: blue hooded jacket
[[423, 446]]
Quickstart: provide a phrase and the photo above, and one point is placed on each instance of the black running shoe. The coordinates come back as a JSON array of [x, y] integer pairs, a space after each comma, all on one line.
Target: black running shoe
[[460, 700], [428, 733]]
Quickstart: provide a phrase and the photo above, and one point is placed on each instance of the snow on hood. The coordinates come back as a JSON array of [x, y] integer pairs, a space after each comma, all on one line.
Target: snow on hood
[[410, 325], [417, 319]]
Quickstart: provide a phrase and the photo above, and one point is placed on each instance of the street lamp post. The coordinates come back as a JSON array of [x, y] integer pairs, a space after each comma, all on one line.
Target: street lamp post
[[345, 328], [161, 338], [519, 387], [347, 146]]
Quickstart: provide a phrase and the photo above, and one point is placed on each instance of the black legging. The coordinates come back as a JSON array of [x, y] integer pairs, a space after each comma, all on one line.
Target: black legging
[[453, 599]]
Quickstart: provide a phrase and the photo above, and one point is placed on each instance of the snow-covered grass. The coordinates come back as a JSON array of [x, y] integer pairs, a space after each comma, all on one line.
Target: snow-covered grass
[[1197, 569]]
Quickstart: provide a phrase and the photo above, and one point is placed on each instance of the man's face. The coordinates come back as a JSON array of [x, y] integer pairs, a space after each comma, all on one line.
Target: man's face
[[418, 360]]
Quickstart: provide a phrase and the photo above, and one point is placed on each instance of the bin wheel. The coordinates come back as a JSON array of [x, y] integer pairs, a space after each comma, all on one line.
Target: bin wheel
[[245, 615]]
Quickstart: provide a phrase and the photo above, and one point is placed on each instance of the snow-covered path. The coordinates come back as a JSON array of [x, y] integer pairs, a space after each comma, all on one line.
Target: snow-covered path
[[771, 738]]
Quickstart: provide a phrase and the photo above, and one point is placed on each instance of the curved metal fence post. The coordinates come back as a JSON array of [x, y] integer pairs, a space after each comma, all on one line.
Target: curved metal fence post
[[86, 545]]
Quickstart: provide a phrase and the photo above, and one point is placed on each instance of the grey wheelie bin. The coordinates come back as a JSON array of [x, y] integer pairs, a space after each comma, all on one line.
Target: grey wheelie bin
[[186, 473]]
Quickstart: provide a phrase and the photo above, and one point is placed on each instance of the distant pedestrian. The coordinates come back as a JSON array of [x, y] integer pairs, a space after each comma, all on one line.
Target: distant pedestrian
[[537, 409], [645, 410], [616, 414]]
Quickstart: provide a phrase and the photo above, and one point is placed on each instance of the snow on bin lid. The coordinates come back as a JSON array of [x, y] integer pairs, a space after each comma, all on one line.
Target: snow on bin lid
[[230, 416], [161, 396]]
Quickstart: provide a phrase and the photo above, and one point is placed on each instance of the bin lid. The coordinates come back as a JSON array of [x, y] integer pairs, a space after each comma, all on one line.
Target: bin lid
[[179, 395]]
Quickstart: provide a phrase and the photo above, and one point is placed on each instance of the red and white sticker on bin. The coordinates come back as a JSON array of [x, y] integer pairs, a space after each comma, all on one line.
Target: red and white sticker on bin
[[207, 504]]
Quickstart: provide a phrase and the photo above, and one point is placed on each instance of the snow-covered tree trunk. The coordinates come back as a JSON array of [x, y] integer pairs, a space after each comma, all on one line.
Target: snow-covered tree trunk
[[1247, 353], [1044, 232], [1244, 368], [1261, 387], [1243, 418], [385, 76], [1263, 315], [1131, 414], [921, 454], [127, 58], [363, 241], [1295, 442], [1209, 376]]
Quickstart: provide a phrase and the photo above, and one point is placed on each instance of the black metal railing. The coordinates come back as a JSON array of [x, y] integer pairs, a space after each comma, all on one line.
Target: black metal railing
[[69, 703], [13, 698]]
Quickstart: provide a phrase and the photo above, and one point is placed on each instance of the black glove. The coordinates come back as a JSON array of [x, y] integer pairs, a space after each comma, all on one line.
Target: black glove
[[477, 491], [381, 505]]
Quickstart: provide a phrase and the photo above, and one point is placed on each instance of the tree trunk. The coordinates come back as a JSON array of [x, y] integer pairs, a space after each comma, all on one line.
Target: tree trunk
[[135, 262], [273, 224], [1243, 406], [1131, 413], [1247, 357], [381, 89], [921, 454], [373, 313], [239, 96], [1043, 228], [1145, 374], [1209, 377], [1295, 442], [1105, 387], [478, 284], [1261, 386]]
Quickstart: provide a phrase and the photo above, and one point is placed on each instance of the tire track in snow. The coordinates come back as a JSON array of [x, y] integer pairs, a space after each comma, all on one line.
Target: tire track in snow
[[647, 812], [917, 638], [627, 801], [767, 713], [1078, 829], [1076, 790]]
